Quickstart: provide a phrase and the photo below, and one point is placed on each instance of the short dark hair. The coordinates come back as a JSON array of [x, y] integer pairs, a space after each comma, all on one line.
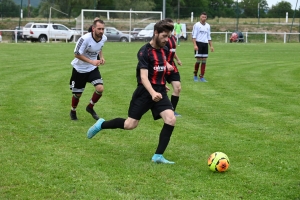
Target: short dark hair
[[203, 13], [98, 20], [168, 20], [163, 26]]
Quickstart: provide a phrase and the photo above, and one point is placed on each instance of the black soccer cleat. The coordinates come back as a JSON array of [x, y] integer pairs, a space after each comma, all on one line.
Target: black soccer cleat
[[73, 115], [92, 112]]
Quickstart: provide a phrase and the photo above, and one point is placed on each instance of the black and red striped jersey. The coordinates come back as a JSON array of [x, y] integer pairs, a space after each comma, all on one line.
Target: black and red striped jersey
[[154, 60], [171, 44]]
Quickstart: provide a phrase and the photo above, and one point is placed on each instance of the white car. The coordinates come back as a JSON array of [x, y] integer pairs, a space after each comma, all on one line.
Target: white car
[[147, 33], [42, 32]]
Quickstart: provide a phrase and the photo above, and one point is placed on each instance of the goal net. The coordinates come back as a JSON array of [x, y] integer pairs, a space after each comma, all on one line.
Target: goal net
[[123, 20]]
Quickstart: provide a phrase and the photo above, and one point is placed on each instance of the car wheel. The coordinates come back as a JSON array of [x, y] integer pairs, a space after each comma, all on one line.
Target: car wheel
[[42, 38], [71, 39], [123, 39]]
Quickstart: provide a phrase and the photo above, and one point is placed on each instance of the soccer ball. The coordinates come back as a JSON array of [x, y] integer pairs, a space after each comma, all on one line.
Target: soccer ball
[[218, 162]]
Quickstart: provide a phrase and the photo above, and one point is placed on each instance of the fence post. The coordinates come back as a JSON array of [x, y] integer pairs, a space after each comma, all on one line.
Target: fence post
[[226, 37], [265, 37], [284, 38], [246, 37]]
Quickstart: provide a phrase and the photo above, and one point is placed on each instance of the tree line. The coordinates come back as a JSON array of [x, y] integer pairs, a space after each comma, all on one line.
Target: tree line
[[174, 8]]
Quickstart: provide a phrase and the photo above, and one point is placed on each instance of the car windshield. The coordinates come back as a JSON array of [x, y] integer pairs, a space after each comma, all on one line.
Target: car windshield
[[149, 27]]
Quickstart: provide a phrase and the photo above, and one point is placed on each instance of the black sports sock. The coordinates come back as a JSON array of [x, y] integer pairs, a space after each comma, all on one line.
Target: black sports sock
[[174, 101], [164, 138], [114, 123]]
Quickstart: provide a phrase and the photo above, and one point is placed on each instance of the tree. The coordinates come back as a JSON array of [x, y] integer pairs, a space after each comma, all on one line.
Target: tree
[[134, 5], [250, 8], [280, 9], [221, 8], [9, 9]]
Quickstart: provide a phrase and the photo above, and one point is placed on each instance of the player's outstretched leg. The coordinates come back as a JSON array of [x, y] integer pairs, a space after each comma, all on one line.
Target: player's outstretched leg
[[93, 130], [158, 158]]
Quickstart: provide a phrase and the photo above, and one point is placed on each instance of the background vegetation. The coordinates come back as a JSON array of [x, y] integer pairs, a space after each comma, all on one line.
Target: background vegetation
[[174, 8], [249, 109]]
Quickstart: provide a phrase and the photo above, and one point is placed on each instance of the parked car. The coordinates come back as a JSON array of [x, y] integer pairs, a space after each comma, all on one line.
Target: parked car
[[114, 34], [43, 31], [135, 32], [19, 32], [147, 33]]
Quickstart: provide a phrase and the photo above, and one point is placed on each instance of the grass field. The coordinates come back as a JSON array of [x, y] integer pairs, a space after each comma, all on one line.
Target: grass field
[[249, 110]]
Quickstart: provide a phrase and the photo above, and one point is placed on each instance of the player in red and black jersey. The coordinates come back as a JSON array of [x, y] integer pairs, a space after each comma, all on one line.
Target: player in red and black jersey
[[173, 76], [150, 93]]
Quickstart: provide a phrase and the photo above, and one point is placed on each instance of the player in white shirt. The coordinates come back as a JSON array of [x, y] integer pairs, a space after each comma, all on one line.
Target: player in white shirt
[[85, 67], [201, 39]]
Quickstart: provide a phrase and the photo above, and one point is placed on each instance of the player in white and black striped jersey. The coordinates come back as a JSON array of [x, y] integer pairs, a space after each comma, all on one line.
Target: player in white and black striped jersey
[[85, 67]]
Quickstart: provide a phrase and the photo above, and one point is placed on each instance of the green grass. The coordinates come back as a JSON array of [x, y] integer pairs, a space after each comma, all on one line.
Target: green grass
[[249, 110]]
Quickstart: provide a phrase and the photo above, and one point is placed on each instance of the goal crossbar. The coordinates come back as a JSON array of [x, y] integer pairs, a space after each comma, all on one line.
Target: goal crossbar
[[116, 11]]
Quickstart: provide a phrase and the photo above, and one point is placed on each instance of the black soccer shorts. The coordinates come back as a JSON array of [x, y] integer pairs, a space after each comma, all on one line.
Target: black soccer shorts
[[79, 80]]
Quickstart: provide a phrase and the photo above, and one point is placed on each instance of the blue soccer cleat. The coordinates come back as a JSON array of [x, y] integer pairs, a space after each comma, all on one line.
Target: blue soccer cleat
[[177, 114], [195, 78], [158, 158], [93, 130], [203, 79]]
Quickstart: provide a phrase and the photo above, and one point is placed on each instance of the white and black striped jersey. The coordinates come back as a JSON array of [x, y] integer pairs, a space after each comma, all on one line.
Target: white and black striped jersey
[[87, 46], [201, 32]]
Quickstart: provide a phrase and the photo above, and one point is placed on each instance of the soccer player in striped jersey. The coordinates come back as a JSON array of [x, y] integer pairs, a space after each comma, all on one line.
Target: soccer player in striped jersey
[[150, 93], [173, 77], [86, 67], [201, 39]]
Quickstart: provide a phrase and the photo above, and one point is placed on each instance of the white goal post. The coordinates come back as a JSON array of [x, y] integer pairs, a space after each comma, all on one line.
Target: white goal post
[[117, 11]]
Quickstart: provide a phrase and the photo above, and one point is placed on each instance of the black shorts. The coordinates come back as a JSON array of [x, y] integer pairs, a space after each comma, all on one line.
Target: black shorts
[[142, 101], [202, 50], [79, 80], [173, 76]]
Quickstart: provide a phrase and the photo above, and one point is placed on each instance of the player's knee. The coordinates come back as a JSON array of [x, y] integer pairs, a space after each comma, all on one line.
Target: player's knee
[[129, 125], [77, 96], [170, 119], [99, 88], [177, 89]]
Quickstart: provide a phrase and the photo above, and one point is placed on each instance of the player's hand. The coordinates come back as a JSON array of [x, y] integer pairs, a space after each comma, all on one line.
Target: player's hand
[[167, 88], [96, 62], [212, 49], [170, 67], [196, 48], [102, 61], [156, 96], [179, 62]]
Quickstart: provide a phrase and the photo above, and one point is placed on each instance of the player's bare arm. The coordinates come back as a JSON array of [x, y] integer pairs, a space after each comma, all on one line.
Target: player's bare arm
[[156, 96], [195, 45], [102, 60], [177, 59], [211, 46], [85, 59], [169, 67]]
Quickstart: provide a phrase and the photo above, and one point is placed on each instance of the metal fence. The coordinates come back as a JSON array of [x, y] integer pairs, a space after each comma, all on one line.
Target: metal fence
[[10, 36]]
